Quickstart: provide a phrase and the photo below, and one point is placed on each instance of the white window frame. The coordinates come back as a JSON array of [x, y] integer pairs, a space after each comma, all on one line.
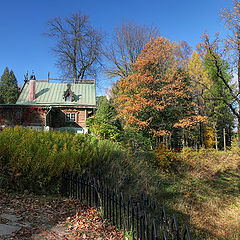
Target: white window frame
[[70, 117]]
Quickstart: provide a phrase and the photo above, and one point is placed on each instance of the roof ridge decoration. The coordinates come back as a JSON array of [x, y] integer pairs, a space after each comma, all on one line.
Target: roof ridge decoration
[[69, 93]]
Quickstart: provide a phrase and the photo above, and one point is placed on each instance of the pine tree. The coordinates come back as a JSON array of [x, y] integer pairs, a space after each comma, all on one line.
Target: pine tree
[[9, 90]]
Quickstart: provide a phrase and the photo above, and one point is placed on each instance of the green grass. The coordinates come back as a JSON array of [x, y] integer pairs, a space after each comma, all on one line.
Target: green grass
[[203, 189]]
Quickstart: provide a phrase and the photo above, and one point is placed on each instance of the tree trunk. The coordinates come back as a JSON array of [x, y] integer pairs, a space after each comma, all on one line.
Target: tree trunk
[[216, 141], [201, 134], [238, 86], [238, 129], [183, 139], [75, 72], [224, 139]]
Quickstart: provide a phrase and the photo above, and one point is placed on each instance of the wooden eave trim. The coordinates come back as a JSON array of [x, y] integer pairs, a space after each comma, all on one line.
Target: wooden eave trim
[[72, 106], [47, 106]]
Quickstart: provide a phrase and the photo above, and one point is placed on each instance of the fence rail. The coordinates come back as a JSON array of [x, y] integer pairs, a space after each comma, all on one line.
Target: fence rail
[[140, 217]]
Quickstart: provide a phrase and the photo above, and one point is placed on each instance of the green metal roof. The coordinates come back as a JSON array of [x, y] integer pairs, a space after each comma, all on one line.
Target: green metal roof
[[52, 94]]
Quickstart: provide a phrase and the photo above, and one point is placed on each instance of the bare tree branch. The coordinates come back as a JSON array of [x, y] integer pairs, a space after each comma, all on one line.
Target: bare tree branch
[[127, 44], [78, 45]]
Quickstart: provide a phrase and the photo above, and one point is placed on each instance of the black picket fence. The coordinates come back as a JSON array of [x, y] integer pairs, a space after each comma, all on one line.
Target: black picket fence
[[141, 218]]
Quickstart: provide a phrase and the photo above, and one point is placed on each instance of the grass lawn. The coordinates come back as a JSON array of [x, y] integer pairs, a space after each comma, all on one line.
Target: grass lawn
[[205, 190], [202, 189]]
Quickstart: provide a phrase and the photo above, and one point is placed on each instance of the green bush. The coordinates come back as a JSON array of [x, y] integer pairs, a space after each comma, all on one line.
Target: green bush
[[34, 160]]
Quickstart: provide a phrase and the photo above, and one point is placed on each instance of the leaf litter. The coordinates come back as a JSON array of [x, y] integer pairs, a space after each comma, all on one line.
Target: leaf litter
[[51, 218]]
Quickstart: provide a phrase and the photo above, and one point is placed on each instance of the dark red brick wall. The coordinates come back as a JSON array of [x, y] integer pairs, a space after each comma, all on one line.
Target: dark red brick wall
[[21, 115], [35, 116]]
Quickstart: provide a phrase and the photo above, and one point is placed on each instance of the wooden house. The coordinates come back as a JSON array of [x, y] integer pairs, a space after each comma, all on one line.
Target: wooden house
[[56, 105]]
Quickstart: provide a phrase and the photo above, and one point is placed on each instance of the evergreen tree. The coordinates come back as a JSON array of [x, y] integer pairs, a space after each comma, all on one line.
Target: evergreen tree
[[103, 124], [9, 90]]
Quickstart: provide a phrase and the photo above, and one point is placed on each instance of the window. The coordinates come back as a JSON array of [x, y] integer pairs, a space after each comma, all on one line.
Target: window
[[70, 117]]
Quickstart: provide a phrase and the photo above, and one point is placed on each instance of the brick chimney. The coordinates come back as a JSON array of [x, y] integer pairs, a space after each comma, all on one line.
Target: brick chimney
[[32, 94]]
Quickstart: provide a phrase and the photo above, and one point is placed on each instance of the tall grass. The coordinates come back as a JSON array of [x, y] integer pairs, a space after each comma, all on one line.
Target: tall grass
[[35, 160], [202, 188]]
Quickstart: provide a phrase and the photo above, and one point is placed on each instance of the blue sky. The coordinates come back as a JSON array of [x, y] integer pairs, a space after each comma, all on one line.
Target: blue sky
[[22, 24]]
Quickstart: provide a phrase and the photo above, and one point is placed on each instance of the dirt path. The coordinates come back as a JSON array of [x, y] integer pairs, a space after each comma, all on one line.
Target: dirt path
[[39, 217]]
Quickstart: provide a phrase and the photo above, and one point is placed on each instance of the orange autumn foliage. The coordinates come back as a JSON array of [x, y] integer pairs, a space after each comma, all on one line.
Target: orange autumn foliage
[[159, 83]]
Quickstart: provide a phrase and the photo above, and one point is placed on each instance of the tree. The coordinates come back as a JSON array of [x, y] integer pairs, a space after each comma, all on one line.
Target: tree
[[199, 79], [156, 97], [127, 44], [219, 114], [215, 60], [78, 46], [209, 92], [9, 90], [103, 124], [231, 18], [231, 51]]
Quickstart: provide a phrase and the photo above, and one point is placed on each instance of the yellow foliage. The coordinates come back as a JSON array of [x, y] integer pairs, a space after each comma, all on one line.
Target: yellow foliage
[[198, 72], [208, 137], [36, 159], [165, 158]]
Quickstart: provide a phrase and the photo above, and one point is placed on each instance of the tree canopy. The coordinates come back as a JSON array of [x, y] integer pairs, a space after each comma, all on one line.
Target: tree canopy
[[103, 124], [78, 45], [126, 45], [9, 90], [157, 97]]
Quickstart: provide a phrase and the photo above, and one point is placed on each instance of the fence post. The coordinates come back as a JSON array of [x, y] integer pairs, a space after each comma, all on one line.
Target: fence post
[[174, 228], [104, 199], [154, 231], [116, 206], [128, 215], [75, 184], [133, 216], [64, 184], [146, 225], [88, 185], [95, 193], [107, 202], [187, 232], [123, 205], [110, 205], [113, 207], [81, 191], [78, 187], [138, 222], [71, 184], [164, 218], [149, 202], [100, 194]]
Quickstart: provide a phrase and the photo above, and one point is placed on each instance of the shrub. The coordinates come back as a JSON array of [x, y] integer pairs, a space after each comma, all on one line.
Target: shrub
[[35, 160], [165, 158]]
